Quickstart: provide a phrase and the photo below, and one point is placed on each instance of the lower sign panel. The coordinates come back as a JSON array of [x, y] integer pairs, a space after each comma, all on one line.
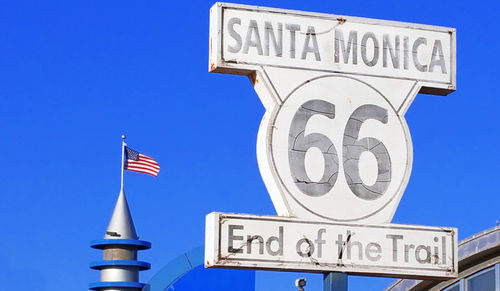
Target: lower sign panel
[[288, 244]]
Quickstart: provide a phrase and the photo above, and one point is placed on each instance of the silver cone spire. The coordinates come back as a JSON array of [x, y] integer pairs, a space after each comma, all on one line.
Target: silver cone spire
[[121, 225], [119, 266]]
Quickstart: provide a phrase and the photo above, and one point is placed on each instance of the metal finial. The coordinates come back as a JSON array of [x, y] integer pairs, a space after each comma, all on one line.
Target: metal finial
[[123, 137]]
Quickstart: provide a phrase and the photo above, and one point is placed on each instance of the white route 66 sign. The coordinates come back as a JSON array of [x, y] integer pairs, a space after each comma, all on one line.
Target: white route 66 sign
[[333, 144]]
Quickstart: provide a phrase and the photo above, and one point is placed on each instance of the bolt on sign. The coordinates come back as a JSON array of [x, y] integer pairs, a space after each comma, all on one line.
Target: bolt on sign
[[333, 145], [271, 242]]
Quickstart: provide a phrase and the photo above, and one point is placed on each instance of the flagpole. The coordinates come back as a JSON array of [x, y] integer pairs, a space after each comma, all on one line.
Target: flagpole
[[123, 159]]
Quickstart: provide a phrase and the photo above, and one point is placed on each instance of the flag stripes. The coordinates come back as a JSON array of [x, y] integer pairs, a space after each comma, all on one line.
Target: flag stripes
[[138, 162]]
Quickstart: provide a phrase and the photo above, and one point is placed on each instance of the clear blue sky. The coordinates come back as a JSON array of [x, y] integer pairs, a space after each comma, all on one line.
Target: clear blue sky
[[75, 75]]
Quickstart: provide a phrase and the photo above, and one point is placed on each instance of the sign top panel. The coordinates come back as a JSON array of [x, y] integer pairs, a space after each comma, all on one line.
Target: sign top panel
[[244, 38]]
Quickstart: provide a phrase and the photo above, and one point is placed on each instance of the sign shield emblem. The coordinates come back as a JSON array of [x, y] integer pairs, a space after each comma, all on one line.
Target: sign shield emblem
[[333, 144]]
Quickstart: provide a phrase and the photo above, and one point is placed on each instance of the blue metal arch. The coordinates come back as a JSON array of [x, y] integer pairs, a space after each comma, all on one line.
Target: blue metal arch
[[180, 271], [175, 269]]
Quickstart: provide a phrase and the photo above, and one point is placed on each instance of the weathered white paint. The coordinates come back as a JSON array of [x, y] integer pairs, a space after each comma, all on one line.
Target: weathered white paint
[[340, 203], [339, 64], [245, 38], [269, 242]]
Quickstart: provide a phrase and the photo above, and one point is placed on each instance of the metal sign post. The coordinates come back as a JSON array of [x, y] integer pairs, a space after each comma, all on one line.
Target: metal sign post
[[333, 148], [335, 282]]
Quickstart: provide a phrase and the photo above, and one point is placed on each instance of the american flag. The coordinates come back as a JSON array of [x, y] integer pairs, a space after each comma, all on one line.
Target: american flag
[[138, 162]]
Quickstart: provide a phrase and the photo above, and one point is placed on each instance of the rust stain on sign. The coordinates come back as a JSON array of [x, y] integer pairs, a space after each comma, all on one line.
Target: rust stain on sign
[[253, 78]]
